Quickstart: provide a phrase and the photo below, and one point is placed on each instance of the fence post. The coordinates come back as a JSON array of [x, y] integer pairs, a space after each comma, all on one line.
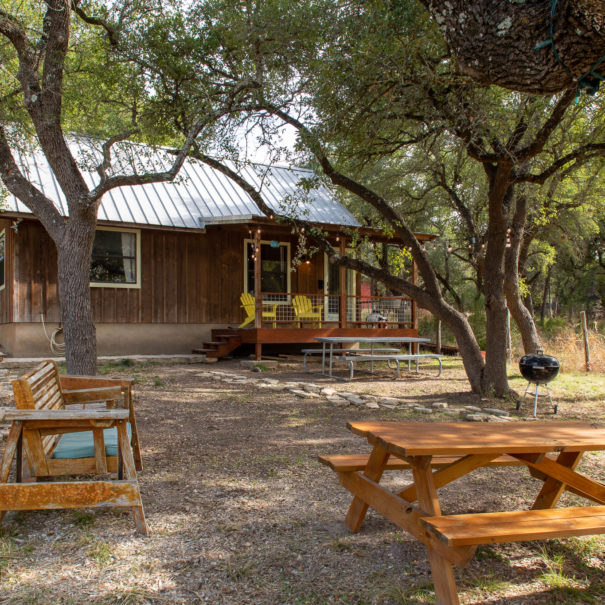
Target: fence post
[[586, 346]]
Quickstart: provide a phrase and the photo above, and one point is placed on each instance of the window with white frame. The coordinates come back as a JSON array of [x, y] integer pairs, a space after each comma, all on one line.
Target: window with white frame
[[115, 260]]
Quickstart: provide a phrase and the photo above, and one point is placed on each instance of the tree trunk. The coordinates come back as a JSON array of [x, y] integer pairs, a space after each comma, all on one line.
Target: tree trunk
[[495, 374], [73, 256], [508, 43], [519, 312]]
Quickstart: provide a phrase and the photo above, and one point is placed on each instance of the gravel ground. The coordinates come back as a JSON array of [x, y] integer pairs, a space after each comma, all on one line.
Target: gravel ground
[[240, 511]]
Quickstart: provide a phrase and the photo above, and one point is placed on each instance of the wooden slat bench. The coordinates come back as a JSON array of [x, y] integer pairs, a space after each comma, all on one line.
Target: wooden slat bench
[[99, 444], [347, 463], [516, 526]]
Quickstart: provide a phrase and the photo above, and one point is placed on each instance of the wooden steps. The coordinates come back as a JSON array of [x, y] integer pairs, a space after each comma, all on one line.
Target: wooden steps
[[223, 342], [517, 526], [346, 463]]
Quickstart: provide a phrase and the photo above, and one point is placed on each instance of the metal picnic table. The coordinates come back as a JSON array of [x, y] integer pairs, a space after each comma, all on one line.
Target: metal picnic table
[[371, 340]]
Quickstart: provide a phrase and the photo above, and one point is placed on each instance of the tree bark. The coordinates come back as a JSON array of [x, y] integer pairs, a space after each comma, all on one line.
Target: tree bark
[[509, 44], [500, 190], [73, 258], [520, 313]]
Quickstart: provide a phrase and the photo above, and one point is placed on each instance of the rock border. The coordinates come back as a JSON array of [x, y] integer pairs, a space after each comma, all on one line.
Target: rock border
[[342, 398]]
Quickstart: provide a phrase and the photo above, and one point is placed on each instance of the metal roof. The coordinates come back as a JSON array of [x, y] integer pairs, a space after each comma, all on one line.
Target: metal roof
[[199, 195]]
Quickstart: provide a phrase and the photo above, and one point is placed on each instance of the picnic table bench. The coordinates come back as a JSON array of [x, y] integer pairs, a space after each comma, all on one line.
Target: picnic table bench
[[390, 358], [341, 351], [439, 453]]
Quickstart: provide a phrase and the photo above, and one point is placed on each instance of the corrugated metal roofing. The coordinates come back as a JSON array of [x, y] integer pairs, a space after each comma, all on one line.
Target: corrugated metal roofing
[[199, 195]]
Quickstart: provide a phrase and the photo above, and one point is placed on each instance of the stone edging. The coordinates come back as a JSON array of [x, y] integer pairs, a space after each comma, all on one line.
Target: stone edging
[[341, 398]]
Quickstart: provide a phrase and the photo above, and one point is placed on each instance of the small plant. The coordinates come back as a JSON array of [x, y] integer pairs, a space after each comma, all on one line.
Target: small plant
[[260, 367], [103, 553], [237, 570], [554, 576], [124, 596], [83, 519], [341, 545], [158, 382]]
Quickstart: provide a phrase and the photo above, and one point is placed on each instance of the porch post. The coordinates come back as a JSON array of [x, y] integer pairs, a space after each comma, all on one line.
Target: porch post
[[258, 298], [342, 298], [414, 308]]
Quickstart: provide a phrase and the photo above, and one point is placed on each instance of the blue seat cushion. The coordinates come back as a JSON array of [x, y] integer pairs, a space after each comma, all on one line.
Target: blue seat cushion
[[81, 445]]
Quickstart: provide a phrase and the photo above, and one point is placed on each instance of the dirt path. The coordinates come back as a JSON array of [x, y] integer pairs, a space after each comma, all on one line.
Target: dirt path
[[241, 512]]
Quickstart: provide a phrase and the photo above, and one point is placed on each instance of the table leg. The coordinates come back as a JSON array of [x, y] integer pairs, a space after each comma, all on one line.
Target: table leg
[[11, 448], [331, 353], [552, 489], [323, 357], [441, 569], [374, 469]]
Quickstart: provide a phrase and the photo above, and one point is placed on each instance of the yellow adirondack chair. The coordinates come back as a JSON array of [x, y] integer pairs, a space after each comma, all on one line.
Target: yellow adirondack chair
[[249, 306], [305, 311]]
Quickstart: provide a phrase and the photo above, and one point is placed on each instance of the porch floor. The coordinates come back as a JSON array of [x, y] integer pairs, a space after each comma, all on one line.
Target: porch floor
[[225, 341]]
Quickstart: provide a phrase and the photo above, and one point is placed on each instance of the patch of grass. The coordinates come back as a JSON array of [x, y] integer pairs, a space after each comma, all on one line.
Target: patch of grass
[[554, 576], [7, 547], [239, 569], [158, 382], [102, 553], [260, 367], [485, 553], [124, 596], [587, 547], [341, 545], [408, 594], [488, 583], [83, 519]]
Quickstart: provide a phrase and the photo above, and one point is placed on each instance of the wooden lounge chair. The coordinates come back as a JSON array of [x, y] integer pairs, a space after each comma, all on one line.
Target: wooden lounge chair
[[49, 440], [305, 311], [249, 306]]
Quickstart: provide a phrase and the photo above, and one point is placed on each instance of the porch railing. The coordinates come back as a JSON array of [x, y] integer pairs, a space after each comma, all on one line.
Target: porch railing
[[300, 310]]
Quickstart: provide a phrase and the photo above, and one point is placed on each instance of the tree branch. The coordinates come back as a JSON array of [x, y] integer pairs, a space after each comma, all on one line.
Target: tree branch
[[22, 189], [581, 156]]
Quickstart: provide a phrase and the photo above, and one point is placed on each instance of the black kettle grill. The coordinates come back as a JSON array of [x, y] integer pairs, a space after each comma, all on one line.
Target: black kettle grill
[[538, 369]]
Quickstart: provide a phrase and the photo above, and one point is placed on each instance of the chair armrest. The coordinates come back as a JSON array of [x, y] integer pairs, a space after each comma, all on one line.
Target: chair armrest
[[83, 382], [318, 307], [72, 396], [66, 415]]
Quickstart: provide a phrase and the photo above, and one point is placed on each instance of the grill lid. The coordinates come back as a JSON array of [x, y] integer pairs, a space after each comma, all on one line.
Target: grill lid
[[539, 368]]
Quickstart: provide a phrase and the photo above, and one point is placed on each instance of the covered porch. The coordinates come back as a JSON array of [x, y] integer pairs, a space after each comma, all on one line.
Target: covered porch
[[288, 296]]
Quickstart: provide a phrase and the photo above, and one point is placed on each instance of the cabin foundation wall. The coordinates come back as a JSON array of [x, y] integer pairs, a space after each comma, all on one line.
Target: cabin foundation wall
[[29, 339]]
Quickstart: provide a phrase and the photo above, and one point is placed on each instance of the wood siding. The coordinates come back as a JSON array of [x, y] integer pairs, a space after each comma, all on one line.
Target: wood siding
[[6, 292], [186, 278]]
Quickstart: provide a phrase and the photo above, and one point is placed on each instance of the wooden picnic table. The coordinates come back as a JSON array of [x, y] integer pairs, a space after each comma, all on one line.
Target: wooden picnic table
[[439, 453]]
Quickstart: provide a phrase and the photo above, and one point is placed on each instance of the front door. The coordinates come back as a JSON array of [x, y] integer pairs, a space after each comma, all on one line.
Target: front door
[[332, 289]]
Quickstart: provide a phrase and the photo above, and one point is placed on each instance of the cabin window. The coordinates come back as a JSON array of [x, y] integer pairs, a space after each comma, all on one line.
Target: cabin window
[[115, 260], [2, 255], [275, 265]]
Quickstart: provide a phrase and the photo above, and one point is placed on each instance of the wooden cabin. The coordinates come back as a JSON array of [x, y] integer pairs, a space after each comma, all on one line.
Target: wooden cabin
[[171, 262]]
